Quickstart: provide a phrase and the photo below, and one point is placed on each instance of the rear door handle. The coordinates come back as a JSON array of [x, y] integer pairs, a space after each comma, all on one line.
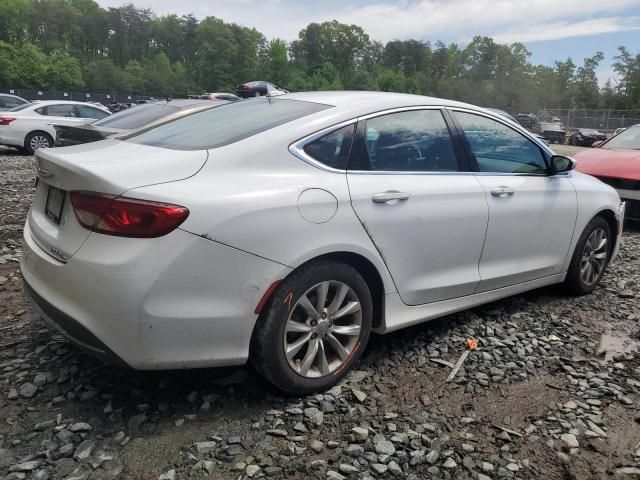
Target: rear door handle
[[503, 191], [390, 196]]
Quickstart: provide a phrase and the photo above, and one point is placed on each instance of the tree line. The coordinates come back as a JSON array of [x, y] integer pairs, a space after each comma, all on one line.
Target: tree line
[[76, 44]]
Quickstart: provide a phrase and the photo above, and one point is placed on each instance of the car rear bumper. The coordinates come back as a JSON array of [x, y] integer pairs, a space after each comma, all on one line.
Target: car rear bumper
[[178, 301]]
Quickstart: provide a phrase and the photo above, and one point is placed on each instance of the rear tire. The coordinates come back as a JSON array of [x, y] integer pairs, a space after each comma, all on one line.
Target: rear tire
[[590, 258], [303, 349], [36, 140]]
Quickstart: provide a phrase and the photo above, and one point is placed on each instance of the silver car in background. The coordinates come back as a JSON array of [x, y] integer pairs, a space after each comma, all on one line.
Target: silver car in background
[[285, 230]]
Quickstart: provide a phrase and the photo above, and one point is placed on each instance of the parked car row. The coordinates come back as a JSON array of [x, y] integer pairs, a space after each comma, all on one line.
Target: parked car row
[[284, 230]]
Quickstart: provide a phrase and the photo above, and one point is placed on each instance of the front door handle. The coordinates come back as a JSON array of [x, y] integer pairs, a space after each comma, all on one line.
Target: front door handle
[[503, 191], [390, 196]]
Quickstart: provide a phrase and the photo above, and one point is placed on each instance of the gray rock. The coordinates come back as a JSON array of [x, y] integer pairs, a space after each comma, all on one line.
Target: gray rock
[[136, 421], [449, 463], [252, 470], [316, 445], [628, 471], [570, 440], [385, 447], [205, 447], [168, 475], [432, 456], [333, 475], [13, 394], [314, 415], [80, 427], [41, 426], [378, 468], [26, 466], [360, 396], [354, 450], [42, 475], [394, 468], [83, 452], [360, 433], [348, 469], [27, 390]]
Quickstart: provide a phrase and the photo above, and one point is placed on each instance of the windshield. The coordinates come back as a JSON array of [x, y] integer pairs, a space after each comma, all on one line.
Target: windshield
[[630, 138], [20, 107], [226, 124], [137, 117]]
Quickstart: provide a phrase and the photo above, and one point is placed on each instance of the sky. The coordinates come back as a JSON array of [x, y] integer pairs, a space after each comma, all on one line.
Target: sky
[[551, 29]]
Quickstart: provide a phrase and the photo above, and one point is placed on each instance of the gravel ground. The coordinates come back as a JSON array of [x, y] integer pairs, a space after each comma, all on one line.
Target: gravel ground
[[551, 393]]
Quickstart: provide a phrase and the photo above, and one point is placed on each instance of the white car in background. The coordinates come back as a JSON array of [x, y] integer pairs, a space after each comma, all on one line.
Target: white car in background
[[29, 126], [284, 230]]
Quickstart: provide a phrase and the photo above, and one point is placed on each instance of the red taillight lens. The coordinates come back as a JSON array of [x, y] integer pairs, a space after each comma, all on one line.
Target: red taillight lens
[[6, 120], [246, 87], [126, 217]]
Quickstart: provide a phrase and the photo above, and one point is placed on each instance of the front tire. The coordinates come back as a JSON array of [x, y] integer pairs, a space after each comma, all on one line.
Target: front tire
[[315, 329], [590, 258], [36, 141]]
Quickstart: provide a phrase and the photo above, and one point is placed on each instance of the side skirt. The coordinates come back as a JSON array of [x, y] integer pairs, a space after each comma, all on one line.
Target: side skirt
[[397, 315]]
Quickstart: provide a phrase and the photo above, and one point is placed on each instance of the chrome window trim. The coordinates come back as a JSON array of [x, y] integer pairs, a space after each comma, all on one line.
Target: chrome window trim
[[297, 148]]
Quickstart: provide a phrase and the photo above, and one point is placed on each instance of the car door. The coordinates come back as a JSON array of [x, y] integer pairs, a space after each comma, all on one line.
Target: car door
[[426, 218], [532, 213]]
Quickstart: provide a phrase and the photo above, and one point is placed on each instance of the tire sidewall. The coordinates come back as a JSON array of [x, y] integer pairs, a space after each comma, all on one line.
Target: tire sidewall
[[574, 279], [288, 294]]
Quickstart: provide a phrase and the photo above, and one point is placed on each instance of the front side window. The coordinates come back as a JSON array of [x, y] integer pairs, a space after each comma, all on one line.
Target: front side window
[[412, 141], [498, 148], [58, 111], [225, 124], [333, 148], [90, 112]]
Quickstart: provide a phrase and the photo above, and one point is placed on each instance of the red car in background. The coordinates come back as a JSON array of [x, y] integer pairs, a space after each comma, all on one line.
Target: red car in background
[[616, 162]]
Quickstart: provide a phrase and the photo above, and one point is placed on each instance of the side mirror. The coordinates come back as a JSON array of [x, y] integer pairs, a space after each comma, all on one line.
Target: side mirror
[[561, 164], [597, 143]]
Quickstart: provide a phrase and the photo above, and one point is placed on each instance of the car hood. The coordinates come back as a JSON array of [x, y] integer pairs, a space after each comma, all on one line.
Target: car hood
[[613, 163]]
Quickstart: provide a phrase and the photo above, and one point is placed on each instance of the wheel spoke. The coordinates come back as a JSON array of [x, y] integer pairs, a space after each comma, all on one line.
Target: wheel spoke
[[308, 307], [350, 330], [293, 326], [587, 273], [349, 308], [309, 357], [324, 365], [322, 291], [336, 303], [337, 346], [293, 348]]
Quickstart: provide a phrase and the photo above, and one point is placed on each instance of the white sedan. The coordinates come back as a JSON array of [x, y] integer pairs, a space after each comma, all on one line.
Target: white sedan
[[29, 126], [284, 230]]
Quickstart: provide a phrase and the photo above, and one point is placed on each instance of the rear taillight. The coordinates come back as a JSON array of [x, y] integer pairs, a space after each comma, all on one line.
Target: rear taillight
[[246, 87], [126, 217], [6, 120]]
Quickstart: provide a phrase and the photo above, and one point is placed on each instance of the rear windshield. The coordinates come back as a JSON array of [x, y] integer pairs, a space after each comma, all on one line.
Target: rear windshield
[[20, 107], [137, 117], [226, 124]]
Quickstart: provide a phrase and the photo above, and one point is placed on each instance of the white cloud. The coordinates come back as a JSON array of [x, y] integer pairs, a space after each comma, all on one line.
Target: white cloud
[[451, 20]]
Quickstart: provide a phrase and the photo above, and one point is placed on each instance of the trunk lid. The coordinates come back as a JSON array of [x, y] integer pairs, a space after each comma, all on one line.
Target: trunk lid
[[109, 166]]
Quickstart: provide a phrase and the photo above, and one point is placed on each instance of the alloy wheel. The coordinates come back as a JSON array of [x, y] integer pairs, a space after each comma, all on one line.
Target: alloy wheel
[[322, 329], [38, 141], [594, 257]]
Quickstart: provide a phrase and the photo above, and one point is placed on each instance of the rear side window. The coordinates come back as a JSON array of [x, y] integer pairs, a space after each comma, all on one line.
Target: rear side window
[[137, 117], [91, 112], [225, 124], [333, 148], [11, 102], [62, 110], [412, 141]]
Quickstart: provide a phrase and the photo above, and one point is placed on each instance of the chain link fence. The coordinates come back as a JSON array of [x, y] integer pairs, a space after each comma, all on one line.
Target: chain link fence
[[104, 98], [605, 120]]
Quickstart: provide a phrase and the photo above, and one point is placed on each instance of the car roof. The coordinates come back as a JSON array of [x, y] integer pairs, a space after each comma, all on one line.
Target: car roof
[[43, 103], [12, 96], [180, 102], [372, 101]]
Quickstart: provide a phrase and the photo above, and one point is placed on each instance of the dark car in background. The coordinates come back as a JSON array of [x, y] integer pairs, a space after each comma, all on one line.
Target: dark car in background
[[258, 88], [584, 137], [510, 117], [8, 101], [129, 120], [553, 132], [528, 121]]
